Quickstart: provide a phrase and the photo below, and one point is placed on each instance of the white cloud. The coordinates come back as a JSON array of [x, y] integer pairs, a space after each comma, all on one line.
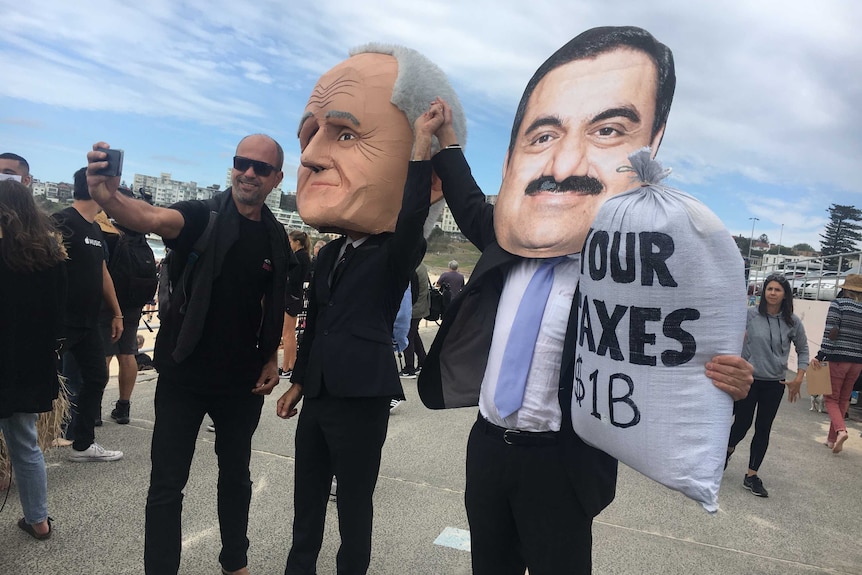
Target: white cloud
[[768, 91]]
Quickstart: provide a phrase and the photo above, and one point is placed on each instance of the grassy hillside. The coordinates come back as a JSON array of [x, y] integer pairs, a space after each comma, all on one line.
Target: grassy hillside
[[441, 250]]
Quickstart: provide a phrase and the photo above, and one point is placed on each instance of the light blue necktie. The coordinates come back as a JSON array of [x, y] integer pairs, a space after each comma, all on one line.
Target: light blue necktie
[[512, 381]]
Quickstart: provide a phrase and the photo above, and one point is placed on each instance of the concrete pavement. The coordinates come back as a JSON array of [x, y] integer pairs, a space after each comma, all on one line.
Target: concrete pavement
[[810, 524]]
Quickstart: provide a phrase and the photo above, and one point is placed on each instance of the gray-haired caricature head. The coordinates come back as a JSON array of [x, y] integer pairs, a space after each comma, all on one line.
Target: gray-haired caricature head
[[356, 137]]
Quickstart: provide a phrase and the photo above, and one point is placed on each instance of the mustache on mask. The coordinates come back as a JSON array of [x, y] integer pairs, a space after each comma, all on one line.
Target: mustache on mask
[[580, 184]]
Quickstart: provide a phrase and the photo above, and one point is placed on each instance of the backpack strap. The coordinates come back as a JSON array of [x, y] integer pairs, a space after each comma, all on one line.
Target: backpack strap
[[199, 247]]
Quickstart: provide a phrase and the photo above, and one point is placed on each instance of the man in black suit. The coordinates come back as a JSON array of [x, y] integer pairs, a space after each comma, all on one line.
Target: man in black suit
[[356, 140], [533, 486]]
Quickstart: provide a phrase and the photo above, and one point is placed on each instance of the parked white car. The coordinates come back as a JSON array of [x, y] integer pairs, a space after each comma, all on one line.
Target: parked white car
[[823, 289]]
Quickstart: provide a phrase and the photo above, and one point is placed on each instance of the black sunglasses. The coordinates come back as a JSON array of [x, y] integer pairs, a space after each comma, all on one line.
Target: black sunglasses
[[775, 278], [262, 169]]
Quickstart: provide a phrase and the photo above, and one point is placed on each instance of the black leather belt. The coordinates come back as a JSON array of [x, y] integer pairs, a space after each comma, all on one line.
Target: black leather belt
[[516, 436]]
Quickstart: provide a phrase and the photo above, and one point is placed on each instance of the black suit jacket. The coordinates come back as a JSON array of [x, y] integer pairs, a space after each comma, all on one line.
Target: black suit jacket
[[452, 373], [347, 346]]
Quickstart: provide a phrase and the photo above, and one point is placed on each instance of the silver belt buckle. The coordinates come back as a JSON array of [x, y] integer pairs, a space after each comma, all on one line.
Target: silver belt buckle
[[506, 435]]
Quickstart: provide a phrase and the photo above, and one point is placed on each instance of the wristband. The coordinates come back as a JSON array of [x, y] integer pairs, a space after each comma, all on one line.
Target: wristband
[[118, 317]]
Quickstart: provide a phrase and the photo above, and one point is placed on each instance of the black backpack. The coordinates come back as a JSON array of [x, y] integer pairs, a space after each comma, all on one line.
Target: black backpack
[[133, 270], [438, 303]]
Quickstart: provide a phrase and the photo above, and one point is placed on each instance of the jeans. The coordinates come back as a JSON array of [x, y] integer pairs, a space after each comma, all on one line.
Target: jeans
[[28, 464], [179, 413]]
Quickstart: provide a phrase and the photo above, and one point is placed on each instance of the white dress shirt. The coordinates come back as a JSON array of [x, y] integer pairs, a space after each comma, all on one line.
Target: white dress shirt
[[541, 408]]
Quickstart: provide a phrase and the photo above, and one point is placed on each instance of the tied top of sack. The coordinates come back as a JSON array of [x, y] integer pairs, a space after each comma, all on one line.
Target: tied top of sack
[[649, 172]]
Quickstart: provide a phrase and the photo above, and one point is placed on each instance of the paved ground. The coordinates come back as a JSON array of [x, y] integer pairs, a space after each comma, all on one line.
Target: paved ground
[[810, 524]]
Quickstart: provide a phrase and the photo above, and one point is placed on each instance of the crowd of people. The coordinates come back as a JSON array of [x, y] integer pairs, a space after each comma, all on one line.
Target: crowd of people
[[373, 157]]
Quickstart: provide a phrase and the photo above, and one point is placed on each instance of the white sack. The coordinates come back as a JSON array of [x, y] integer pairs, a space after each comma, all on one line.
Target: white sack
[[661, 293]]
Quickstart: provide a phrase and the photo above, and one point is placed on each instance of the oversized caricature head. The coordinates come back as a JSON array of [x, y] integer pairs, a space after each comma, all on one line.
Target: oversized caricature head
[[356, 136], [603, 95]]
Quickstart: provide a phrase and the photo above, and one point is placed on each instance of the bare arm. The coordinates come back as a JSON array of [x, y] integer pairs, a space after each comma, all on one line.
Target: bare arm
[[111, 300], [424, 128], [135, 214]]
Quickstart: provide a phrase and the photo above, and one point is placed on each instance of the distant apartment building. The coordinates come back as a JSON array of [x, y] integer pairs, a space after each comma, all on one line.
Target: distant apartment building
[[52, 191], [166, 191], [447, 220]]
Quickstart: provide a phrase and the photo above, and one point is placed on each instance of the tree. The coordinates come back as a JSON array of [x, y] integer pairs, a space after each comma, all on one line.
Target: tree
[[763, 238], [785, 251], [742, 243], [842, 231], [437, 241], [803, 248]]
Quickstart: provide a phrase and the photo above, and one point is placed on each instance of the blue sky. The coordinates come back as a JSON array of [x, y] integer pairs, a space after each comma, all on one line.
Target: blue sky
[[766, 120]]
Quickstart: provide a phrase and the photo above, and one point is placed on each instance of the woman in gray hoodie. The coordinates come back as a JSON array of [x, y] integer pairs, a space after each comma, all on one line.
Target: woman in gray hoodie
[[771, 328]]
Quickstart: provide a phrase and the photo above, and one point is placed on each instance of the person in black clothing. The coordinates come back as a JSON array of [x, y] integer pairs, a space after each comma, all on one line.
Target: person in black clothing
[[217, 349], [126, 347], [32, 298], [300, 243], [356, 139], [414, 355], [89, 284]]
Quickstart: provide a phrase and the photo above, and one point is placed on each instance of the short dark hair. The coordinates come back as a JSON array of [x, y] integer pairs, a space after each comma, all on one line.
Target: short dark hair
[[19, 159], [81, 190], [595, 42]]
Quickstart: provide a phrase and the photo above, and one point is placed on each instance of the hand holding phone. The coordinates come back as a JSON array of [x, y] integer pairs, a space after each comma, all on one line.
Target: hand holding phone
[[115, 162]]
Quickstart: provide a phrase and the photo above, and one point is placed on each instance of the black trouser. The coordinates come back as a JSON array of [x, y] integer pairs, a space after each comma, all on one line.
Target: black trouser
[[522, 508], [85, 346], [414, 346], [179, 413], [765, 396], [341, 437]]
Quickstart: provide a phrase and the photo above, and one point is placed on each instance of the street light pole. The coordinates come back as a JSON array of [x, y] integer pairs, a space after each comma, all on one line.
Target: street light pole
[[751, 240], [780, 234]]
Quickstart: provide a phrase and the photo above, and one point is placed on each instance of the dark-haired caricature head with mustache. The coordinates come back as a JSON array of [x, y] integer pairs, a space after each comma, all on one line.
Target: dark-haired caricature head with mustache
[[599, 98]]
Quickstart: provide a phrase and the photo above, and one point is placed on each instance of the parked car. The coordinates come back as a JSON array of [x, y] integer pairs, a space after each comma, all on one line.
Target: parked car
[[823, 289]]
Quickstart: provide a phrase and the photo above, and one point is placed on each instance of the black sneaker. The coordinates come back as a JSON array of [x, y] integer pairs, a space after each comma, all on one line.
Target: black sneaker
[[120, 413], [284, 373], [408, 373], [755, 485], [98, 422]]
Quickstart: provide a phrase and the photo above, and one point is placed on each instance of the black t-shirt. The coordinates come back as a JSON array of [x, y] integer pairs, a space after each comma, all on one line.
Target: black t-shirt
[[85, 246], [227, 358]]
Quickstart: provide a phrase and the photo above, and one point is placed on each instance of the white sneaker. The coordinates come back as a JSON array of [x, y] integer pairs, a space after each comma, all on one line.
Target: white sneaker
[[95, 453], [393, 405]]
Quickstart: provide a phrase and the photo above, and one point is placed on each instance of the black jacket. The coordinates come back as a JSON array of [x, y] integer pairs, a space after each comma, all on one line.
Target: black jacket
[[348, 336], [31, 319]]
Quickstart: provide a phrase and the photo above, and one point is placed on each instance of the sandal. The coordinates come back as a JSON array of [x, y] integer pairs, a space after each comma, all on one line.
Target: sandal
[[839, 442], [26, 527]]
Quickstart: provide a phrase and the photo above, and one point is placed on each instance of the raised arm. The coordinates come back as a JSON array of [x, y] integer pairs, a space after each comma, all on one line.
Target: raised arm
[[474, 216], [135, 214]]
